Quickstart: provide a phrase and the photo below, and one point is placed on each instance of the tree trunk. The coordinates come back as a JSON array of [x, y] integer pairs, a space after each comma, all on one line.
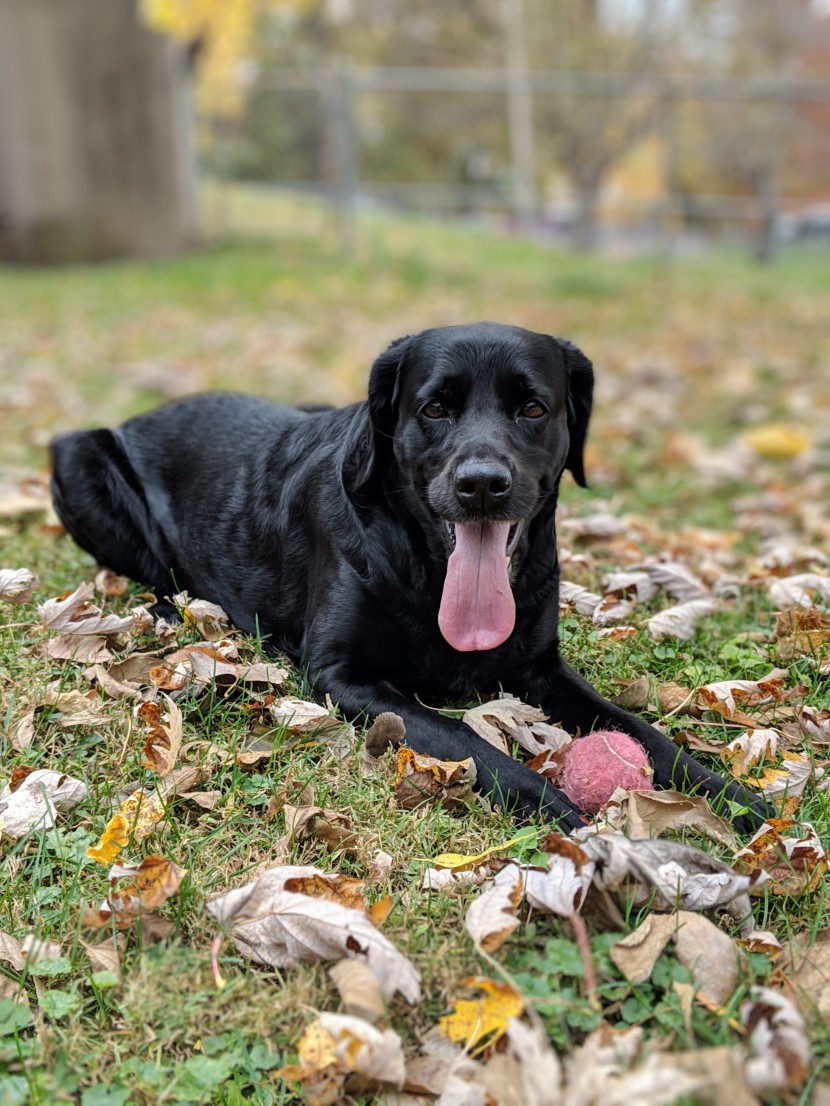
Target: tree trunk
[[96, 148]]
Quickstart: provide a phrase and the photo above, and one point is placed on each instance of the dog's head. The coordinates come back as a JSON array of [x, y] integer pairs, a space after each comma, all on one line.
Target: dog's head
[[474, 425]]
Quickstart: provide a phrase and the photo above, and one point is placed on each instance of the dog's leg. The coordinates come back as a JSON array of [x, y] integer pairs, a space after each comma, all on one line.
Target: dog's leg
[[571, 700], [510, 784], [101, 503]]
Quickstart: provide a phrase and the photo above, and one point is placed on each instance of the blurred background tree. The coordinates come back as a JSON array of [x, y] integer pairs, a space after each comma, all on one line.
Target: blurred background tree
[[569, 117]]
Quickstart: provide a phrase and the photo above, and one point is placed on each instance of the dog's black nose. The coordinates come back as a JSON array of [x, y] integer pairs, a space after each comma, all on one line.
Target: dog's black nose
[[482, 485]]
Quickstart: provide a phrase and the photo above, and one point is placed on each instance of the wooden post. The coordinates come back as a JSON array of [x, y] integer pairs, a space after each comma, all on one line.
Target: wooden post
[[520, 115]]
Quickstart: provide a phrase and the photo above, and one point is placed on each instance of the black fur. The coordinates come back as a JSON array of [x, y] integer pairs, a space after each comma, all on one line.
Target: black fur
[[324, 531]]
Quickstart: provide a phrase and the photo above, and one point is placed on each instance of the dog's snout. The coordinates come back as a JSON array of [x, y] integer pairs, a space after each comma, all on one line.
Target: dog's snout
[[482, 485]]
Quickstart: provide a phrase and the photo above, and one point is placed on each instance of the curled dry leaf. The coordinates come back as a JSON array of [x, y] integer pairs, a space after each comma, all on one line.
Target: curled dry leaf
[[636, 954], [763, 941], [811, 973], [164, 739], [143, 809], [676, 579], [477, 1022], [109, 583], [675, 699], [627, 581], [273, 925], [11, 952], [359, 989], [442, 879], [710, 955], [22, 732], [562, 886], [104, 957], [492, 917], [333, 829], [103, 680], [604, 1070], [578, 597], [794, 864], [681, 621], [745, 755], [509, 719], [301, 717], [778, 1046], [17, 585], [728, 696], [421, 778], [151, 884], [210, 619], [799, 591], [75, 614], [677, 876], [634, 695], [801, 632], [653, 813], [74, 708], [34, 804], [39, 950], [380, 866], [525, 1071], [336, 1047], [747, 751]]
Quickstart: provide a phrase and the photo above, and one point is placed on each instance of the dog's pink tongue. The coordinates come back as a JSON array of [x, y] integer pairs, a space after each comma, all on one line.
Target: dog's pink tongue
[[477, 607]]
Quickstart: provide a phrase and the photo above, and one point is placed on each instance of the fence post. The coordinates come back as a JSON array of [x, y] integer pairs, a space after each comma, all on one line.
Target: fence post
[[520, 115], [343, 177]]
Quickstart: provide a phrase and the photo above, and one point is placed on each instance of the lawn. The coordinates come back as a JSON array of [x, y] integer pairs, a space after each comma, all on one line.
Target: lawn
[[710, 449]]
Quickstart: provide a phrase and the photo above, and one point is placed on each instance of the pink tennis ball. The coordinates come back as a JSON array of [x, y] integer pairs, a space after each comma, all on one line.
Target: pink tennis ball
[[600, 762]]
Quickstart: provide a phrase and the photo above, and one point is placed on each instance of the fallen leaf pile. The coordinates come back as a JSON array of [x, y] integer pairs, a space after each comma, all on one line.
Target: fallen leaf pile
[[140, 680]]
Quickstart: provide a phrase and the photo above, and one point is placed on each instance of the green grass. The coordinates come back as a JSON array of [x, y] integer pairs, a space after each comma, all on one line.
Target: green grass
[[685, 354]]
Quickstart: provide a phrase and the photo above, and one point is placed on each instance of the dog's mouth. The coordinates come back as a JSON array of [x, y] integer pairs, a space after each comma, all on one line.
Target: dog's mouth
[[477, 610], [513, 535]]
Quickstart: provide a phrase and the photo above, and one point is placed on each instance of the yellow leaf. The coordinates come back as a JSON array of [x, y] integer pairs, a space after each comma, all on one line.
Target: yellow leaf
[[462, 862], [478, 1022], [143, 809], [113, 840], [777, 441]]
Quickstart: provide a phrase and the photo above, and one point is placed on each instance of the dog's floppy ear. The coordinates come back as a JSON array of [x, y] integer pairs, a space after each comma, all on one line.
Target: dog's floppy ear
[[385, 385], [373, 428], [580, 391]]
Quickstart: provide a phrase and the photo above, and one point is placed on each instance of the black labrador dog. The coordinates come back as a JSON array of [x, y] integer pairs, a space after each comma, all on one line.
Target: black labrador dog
[[398, 546]]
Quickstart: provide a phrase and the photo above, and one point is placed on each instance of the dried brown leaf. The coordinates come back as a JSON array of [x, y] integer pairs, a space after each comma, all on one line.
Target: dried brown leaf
[[164, 739], [34, 804], [272, 925], [651, 813], [17, 585], [681, 621], [636, 954], [359, 990], [492, 917], [421, 778], [777, 1041], [710, 954], [794, 863]]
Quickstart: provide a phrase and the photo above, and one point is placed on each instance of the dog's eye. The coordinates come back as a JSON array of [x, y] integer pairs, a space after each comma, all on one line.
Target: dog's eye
[[435, 410], [533, 409]]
